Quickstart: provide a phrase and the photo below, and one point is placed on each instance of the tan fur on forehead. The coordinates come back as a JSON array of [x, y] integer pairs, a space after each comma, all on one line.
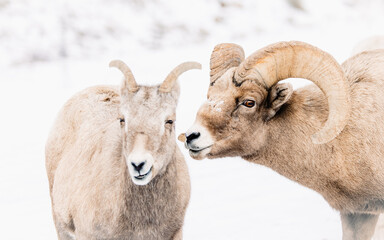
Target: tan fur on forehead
[[225, 87], [151, 101], [251, 88]]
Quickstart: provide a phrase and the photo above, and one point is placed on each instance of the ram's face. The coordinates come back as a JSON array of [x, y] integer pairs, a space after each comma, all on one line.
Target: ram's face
[[245, 96], [148, 131], [230, 122]]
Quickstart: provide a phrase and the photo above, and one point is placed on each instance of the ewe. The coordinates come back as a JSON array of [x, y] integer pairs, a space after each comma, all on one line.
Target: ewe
[[248, 114], [104, 144]]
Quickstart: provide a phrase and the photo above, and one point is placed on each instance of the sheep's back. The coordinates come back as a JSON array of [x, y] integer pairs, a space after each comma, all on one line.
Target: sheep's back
[[80, 117]]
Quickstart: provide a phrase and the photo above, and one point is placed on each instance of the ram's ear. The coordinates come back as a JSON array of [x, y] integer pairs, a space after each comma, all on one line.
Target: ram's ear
[[278, 95]]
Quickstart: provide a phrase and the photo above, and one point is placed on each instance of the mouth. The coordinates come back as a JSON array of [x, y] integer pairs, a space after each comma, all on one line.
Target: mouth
[[199, 153], [143, 176], [198, 150]]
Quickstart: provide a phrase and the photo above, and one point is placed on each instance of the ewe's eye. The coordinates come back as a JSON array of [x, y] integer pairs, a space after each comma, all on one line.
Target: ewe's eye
[[169, 122], [122, 121], [249, 103]]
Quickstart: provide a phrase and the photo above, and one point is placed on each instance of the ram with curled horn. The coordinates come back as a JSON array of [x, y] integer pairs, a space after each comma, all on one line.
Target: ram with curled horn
[[114, 169], [327, 136]]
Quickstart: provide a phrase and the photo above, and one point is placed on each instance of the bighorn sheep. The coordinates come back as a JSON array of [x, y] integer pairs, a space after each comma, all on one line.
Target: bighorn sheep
[[329, 140], [104, 144]]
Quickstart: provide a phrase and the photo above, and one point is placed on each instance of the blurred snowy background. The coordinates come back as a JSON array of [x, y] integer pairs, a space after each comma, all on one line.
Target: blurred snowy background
[[51, 49]]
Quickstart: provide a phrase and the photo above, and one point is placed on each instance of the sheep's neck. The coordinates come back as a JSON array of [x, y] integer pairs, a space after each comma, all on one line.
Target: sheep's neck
[[290, 152], [158, 194]]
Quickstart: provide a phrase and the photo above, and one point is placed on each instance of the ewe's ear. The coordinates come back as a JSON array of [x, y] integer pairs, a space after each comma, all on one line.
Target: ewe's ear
[[277, 96]]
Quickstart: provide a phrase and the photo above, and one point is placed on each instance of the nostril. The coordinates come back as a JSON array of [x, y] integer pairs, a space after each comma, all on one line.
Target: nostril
[[141, 165], [138, 167], [192, 136]]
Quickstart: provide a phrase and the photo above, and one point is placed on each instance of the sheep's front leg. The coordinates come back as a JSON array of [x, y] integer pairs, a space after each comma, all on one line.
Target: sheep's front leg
[[63, 231], [63, 235], [178, 235], [358, 226]]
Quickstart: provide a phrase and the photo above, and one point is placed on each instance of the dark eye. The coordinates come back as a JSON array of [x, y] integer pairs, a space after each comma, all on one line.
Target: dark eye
[[122, 121], [249, 103], [169, 122]]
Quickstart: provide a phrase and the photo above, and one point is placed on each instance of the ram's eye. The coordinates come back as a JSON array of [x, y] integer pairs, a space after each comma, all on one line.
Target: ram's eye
[[249, 103], [169, 122]]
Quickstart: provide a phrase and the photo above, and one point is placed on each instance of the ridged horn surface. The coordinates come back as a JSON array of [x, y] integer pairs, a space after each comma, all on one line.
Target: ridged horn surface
[[295, 59], [224, 56]]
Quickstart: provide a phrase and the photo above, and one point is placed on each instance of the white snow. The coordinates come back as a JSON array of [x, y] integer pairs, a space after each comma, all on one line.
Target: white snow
[[51, 49]]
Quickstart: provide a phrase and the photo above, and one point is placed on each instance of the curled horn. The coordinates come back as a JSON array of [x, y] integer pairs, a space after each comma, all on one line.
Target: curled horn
[[224, 56], [169, 81], [295, 59], [129, 79]]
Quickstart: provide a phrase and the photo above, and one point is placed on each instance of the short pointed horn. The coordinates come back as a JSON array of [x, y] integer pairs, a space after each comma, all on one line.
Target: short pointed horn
[[224, 56], [129, 79], [170, 80], [301, 60]]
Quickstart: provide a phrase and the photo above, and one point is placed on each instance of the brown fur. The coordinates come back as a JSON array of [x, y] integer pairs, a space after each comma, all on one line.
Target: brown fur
[[348, 171], [92, 194]]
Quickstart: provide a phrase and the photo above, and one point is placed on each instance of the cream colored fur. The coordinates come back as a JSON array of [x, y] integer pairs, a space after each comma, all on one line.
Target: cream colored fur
[[347, 171], [93, 196]]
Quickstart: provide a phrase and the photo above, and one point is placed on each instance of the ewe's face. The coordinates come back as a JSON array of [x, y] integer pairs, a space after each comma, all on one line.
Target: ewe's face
[[148, 131], [230, 122]]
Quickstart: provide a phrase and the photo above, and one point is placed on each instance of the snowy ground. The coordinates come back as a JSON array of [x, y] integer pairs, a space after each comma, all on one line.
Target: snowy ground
[[39, 72]]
